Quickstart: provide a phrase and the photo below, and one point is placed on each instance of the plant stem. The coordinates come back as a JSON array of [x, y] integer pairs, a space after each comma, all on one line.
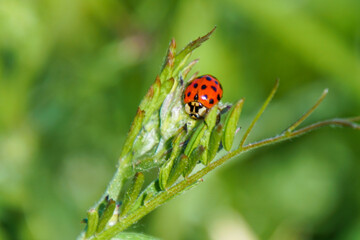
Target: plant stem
[[285, 136], [188, 182]]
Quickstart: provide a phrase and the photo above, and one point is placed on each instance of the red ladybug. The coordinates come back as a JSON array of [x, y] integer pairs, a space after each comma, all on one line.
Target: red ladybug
[[201, 94]]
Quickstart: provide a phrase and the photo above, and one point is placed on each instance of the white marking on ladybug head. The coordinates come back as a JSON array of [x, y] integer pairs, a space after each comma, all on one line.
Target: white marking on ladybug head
[[187, 108], [195, 109]]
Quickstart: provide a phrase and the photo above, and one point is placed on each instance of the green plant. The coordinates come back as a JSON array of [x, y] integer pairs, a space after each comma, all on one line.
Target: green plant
[[163, 136]]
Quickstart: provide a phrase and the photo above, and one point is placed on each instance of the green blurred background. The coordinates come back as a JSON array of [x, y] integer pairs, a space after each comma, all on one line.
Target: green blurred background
[[72, 74]]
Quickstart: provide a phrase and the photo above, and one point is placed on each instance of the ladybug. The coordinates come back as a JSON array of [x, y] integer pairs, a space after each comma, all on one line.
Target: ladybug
[[201, 94]]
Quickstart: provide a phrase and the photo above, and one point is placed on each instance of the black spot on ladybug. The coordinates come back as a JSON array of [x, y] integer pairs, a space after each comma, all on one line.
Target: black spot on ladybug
[[220, 86], [205, 96], [203, 87], [213, 88], [208, 78], [218, 97], [196, 97], [188, 94], [216, 82], [211, 101], [195, 85]]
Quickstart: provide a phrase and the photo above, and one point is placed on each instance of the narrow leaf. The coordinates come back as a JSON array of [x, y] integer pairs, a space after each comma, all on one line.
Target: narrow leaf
[[148, 193], [195, 139], [132, 193], [188, 68], [147, 104], [168, 66], [211, 118], [164, 173], [165, 170], [182, 56], [262, 109], [192, 160], [151, 191], [210, 121], [92, 222], [150, 161], [164, 91], [214, 143], [107, 214], [177, 170], [230, 126], [133, 132], [115, 216], [307, 114]]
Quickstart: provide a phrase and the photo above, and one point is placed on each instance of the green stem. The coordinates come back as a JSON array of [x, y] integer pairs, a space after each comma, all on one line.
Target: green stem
[[285, 135]]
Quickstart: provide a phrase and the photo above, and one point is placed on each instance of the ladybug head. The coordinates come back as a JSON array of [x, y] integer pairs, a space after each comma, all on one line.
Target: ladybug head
[[195, 109]]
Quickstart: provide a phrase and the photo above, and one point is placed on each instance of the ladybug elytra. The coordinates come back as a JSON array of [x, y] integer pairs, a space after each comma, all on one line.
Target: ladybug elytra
[[201, 94]]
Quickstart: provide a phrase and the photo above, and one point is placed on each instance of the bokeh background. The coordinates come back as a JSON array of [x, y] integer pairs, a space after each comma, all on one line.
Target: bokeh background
[[72, 74]]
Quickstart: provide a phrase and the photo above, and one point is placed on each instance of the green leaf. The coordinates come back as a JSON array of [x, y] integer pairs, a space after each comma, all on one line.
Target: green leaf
[[167, 69], [106, 215], [148, 193], [147, 104], [192, 160], [150, 161], [214, 142], [133, 132], [184, 54], [164, 91], [165, 170], [211, 118], [231, 124], [151, 191], [188, 68], [177, 170], [132, 193], [210, 121], [259, 113], [164, 173], [92, 222], [195, 138], [133, 236]]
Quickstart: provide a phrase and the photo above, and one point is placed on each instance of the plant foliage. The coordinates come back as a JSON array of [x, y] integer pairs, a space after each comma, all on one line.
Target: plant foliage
[[163, 136]]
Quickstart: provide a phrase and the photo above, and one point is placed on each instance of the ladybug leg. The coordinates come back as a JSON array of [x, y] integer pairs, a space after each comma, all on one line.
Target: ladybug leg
[[225, 108], [221, 146], [186, 127], [218, 118], [181, 81]]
